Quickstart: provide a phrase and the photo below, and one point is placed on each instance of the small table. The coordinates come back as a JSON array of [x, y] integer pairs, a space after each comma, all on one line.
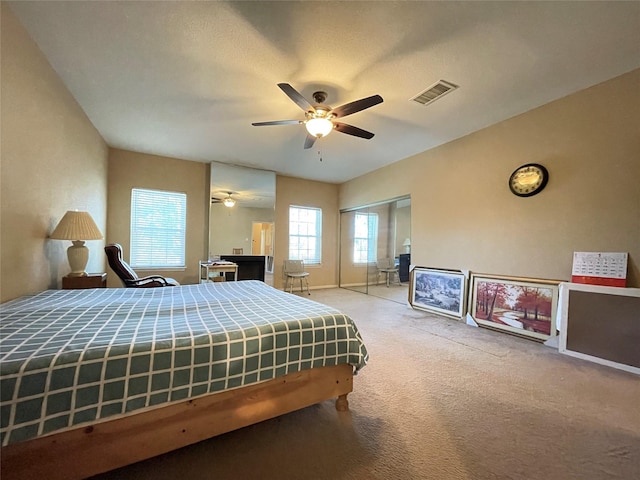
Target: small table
[[90, 280], [207, 268]]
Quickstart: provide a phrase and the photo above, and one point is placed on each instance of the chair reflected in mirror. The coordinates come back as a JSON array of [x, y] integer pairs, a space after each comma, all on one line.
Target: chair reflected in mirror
[[388, 267], [294, 269]]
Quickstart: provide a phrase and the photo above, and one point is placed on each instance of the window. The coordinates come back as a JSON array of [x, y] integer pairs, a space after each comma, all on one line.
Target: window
[[365, 238], [305, 234], [158, 225]]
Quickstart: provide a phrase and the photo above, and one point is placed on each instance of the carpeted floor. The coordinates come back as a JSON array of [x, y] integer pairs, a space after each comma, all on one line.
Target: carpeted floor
[[438, 400], [396, 292]]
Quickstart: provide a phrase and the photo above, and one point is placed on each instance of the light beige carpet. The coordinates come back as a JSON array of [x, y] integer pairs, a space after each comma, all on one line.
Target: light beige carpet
[[438, 400]]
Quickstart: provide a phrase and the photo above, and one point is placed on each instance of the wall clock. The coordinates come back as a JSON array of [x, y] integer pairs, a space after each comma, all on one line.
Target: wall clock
[[528, 180]]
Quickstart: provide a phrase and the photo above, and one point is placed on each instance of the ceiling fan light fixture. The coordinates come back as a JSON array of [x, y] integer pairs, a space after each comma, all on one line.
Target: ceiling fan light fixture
[[319, 127], [319, 118], [229, 202]]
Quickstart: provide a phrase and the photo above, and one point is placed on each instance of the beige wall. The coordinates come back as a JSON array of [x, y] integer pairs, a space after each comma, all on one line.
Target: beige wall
[[129, 170], [53, 160], [307, 193], [464, 216], [232, 227]]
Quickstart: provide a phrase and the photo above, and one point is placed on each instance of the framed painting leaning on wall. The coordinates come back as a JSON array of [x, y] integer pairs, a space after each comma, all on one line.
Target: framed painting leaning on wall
[[438, 291], [522, 306]]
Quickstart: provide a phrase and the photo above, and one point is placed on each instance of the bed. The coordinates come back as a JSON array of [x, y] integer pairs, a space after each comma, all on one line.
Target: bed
[[92, 380]]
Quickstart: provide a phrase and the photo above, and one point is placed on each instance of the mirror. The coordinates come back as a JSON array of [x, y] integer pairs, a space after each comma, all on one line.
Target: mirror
[[241, 218], [375, 243]]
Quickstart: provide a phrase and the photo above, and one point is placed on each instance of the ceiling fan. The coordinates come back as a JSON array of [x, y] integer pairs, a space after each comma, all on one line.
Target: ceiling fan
[[320, 118], [228, 201]]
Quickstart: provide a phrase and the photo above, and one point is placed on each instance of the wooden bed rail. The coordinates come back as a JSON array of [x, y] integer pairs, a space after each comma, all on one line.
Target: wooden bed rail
[[104, 446]]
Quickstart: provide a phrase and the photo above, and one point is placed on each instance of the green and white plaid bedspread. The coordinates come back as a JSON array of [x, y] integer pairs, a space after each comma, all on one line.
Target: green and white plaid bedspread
[[74, 356]]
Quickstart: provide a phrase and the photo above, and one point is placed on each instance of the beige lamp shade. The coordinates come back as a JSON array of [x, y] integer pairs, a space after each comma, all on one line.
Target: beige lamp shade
[[407, 244], [77, 227]]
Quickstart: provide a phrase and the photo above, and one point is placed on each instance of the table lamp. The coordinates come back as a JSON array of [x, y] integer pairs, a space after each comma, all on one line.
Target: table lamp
[[407, 245], [77, 227]]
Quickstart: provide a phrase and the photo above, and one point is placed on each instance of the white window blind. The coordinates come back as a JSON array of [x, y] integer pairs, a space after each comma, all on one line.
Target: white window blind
[[365, 238], [158, 225], [305, 234]]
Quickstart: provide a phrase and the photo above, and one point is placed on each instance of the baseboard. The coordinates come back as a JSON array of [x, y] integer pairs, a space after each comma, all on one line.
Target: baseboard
[[321, 287], [311, 287]]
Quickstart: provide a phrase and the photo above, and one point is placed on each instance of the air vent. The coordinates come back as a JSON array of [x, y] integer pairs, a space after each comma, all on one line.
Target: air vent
[[434, 92]]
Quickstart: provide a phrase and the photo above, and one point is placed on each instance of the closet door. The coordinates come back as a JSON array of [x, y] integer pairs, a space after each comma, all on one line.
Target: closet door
[[354, 244]]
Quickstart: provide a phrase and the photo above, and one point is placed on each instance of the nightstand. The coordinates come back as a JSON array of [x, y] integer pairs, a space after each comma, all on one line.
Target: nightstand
[[91, 280]]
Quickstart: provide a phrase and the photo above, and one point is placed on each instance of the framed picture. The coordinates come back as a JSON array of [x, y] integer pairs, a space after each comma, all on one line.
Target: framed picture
[[439, 291], [522, 306]]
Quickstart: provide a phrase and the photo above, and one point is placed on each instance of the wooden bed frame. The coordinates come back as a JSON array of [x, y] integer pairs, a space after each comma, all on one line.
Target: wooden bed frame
[[104, 446]]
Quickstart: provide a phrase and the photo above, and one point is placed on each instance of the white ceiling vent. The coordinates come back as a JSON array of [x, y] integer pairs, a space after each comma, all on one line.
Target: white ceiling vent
[[434, 92]]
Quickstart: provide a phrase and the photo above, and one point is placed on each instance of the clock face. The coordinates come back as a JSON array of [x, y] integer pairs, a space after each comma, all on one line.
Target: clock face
[[528, 180]]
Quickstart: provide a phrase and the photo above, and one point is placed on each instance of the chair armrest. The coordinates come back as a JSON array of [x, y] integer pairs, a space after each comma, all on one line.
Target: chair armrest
[[150, 281]]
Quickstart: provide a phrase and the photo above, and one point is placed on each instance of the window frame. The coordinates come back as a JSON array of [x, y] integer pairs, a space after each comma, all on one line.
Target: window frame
[[294, 253], [372, 253], [138, 231]]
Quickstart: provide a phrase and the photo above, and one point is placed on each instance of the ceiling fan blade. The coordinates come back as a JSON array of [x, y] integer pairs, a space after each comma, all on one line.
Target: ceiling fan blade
[[351, 130], [358, 105], [277, 122], [309, 141], [294, 95]]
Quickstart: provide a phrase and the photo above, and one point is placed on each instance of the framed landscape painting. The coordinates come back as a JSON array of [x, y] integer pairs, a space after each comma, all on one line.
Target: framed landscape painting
[[439, 291], [521, 306]]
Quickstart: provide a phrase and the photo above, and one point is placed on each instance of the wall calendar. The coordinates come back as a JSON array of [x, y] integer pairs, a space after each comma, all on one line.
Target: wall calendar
[[600, 268]]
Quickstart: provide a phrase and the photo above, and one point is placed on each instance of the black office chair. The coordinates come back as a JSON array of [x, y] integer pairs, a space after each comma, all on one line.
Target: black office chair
[[128, 277]]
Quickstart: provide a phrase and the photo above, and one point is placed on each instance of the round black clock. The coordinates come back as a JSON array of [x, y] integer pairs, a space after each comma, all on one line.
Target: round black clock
[[528, 180]]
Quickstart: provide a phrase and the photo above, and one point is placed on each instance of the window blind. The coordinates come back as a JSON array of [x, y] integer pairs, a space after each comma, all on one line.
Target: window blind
[[158, 226], [305, 234], [365, 238]]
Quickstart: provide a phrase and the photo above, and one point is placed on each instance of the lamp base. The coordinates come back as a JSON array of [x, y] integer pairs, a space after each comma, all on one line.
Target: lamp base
[[78, 256]]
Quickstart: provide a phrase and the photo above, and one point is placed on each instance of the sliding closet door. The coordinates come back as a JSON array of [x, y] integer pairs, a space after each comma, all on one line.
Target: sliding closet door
[[353, 242], [370, 236]]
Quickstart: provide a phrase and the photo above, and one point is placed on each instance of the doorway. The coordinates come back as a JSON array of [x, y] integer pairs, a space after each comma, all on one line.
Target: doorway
[[262, 243]]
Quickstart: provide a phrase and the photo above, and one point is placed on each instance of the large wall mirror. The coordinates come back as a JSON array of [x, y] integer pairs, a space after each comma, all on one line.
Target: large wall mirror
[[375, 249], [241, 218]]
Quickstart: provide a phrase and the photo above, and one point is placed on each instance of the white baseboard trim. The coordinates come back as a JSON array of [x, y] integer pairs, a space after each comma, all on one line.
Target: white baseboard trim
[[311, 287], [320, 287]]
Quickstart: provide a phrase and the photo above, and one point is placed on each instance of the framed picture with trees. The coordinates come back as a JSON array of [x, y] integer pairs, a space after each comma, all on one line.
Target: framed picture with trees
[[521, 306], [439, 291]]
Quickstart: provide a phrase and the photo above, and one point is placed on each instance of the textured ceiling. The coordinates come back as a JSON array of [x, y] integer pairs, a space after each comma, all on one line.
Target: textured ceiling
[[187, 79]]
